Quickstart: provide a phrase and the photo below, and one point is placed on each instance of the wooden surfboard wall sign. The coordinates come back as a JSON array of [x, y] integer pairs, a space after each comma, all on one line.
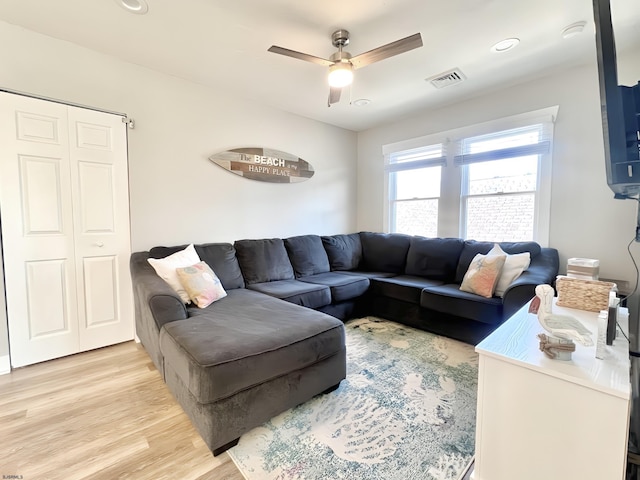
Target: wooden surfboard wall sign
[[264, 164]]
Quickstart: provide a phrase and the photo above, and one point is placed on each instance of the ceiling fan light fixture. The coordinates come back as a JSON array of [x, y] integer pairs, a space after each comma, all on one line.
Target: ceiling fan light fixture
[[340, 74], [341, 64]]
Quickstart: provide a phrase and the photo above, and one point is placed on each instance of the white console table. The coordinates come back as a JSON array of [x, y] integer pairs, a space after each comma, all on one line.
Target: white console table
[[540, 418]]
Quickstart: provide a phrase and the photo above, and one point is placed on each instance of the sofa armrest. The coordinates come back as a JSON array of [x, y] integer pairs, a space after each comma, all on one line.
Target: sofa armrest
[[153, 295], [167, 308], [543, 269]]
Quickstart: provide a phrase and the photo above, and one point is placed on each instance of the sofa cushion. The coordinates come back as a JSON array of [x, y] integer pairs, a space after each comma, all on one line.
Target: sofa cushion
[[472, 248], [295, 291], [384, 252], [307, 255], [369, 275], [264, 260], [221, 257], [435, 258], [407, 288], [451, 300], [343, 287], [344, 251], [229, 347]]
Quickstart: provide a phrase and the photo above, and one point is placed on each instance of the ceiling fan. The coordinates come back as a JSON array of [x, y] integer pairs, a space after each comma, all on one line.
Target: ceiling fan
[[341, 64]]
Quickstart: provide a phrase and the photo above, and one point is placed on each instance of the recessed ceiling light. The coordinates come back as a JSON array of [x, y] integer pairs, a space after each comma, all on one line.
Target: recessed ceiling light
[[361, 102], [139, 7], [505, 45], [573, 29]]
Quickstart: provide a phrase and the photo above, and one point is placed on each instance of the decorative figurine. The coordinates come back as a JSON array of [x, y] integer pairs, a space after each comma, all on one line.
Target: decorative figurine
[[563, 329]]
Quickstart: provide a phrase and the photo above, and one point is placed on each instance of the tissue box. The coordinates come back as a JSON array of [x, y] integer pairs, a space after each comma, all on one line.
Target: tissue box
[[583, 268]]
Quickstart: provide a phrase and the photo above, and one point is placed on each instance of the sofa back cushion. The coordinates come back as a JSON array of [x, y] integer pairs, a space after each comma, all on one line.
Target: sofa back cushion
[[434, 258], [308, 256], [264, 260], [472, 248], [344, 251], [384, 252], [221, 257]]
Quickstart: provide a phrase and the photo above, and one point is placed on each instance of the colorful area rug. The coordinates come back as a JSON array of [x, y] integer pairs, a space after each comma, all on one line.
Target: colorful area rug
[[405, 411]]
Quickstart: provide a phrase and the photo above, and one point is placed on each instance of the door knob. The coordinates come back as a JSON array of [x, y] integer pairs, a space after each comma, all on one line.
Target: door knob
[[99, 244]]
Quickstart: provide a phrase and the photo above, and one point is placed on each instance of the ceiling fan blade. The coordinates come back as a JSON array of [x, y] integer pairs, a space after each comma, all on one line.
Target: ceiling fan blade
[[301, 56], [334, 95], [388, 50]]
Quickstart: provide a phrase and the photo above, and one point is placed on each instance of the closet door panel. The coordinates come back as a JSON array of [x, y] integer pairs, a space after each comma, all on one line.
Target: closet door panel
[[41, 195], [95, 181], [39, 128], [101, 291], [47, 298], [37, 230], [98, 156]]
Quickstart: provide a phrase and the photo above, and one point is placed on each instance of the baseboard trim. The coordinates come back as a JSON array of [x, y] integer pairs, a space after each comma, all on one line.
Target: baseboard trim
[[468, 472], [5, 365]]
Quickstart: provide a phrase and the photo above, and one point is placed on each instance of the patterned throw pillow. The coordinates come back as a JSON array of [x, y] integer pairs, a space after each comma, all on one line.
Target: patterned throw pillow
[[483, 273], [202, 285]]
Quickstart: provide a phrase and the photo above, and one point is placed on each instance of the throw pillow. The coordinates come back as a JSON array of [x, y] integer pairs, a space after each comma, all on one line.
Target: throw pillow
[[201, 283], [482, 276], [513, 267], [166, 268]]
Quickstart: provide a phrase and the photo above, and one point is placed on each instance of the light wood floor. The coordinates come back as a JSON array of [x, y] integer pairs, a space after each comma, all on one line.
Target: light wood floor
[[100, 415]]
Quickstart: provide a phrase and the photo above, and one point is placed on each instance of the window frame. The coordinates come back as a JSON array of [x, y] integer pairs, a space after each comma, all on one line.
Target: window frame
[[450, 215], [392, 167], [541, 194]]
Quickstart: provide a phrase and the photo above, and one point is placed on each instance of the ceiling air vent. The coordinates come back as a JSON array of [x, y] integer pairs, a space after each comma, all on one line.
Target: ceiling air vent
[[448, 78]]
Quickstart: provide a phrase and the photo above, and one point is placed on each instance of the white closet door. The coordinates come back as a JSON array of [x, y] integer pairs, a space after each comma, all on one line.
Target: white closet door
[[64, 209], [37, 230], [99, 179]]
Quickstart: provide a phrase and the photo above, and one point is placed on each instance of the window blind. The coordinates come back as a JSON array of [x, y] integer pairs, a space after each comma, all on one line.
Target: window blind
[[429, 156], [541, 148], [525, 141]]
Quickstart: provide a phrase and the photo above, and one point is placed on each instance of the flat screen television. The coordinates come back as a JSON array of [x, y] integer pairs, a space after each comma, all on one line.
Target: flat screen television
[[620, 111]]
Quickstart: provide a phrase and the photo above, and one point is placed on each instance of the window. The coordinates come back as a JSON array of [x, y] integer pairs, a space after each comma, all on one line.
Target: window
[[500, 184], [488, 182], [414, 190]]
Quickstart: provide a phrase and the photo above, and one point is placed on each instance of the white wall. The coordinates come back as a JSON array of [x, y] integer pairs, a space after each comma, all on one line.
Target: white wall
[[177, 194], [585, 219]]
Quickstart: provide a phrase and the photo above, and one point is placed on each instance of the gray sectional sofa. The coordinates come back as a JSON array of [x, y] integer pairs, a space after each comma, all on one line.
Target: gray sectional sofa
[[277, 338]]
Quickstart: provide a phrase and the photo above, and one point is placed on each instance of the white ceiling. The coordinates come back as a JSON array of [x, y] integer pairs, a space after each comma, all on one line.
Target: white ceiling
[[223, 44]]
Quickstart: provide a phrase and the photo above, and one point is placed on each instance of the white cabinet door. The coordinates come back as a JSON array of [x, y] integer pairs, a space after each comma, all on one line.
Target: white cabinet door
[[59, 202]]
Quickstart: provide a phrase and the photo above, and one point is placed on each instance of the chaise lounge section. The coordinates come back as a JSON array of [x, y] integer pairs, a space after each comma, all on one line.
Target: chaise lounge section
[[242, 360]]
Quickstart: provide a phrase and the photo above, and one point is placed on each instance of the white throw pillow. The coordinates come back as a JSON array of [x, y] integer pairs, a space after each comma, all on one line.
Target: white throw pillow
[[513, 267], [166, 268]]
